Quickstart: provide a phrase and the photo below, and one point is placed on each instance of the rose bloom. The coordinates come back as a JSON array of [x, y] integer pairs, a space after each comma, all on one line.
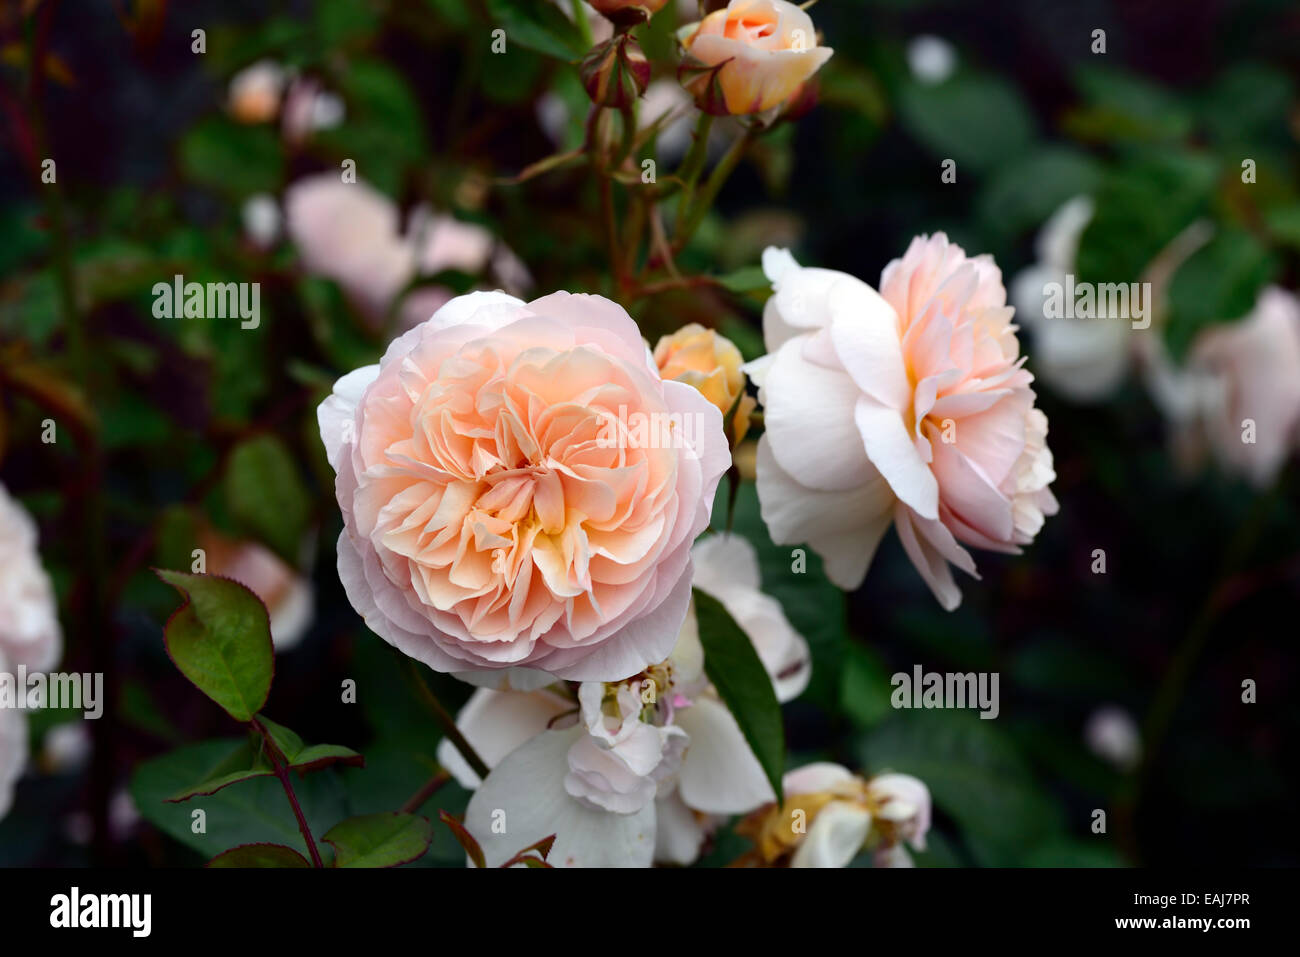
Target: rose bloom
[[908, 407], [1237, 371], [351, 233], [487, 523], [764, 51], [636, 771], [13, 746], [255, 92], [711, 363], [841, 814], [29, 619], [1084, 360]]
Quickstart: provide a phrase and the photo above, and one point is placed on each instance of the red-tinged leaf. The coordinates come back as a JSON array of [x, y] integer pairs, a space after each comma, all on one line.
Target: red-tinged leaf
[[259, 855], [465, 838]]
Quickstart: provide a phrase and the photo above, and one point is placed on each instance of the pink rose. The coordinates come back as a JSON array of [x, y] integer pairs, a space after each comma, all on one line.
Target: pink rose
[[497, 514], [908, 407]]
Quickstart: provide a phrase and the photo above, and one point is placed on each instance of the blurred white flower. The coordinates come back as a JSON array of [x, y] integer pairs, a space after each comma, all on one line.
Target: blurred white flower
[[66, 747], [29, 619], [307, 108], [931, 59], [1238, 395], [633, 771], [13, 746], [351, 233], [1112, 734], [1084, 360], [255, 91], [262, 220]]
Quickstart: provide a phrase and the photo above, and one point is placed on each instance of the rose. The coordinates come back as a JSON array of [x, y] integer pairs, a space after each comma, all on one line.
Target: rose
[[255, 92], [29, 620], [1241, 380], [13, 746], [750, 57], [830, 814], [705, 360], [650, 763], [488, 524], [351, 233], [907, 407]]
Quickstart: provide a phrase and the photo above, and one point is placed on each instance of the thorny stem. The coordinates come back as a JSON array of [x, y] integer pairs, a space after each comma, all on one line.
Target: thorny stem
[[691, 217], [282, 772]]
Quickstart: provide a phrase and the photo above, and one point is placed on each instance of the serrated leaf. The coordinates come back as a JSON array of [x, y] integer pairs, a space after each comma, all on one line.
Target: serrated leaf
[[742, 682], [220, 639], [259, 855], [380, 840]]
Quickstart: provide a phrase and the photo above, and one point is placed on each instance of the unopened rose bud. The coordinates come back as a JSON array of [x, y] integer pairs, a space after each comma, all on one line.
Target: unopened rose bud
[[749, 57], [628, 12], [615, 73], [710, 363]]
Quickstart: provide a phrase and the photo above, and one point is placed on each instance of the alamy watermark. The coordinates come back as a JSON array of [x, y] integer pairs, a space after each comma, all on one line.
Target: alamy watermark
[[59, 690], [1106, 300], [651, 430], [933, 689], [179, 299]]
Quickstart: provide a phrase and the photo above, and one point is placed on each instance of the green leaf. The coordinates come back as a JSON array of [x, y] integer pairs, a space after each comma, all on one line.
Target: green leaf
[[1125, 107], [1284, 224], [380, 840], [248, 812], [232, 158], [243, 763], [746, 279], [736, 671], [864, 687], [465, 838], [220, 639], [537, 25], [259, 855], [1219, 283], [266, 496], [1141, 206], [815, 607], [1024, 193], [974, 773], [980, 121], [303, 757]]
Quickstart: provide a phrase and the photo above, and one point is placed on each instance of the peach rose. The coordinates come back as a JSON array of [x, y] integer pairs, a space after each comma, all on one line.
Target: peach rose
[[907, 407], [488, 524], [752, 55], [711, 363]]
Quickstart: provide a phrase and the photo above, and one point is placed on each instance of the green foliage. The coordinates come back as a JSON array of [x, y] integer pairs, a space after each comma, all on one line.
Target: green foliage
[[379, 840], [220, 639], [1219, 283], [537, 25], [736, 671], [259, 855], [266, 496], [981, 121]]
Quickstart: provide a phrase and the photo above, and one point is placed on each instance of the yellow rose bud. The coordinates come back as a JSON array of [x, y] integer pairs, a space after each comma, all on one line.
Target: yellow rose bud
[[750, 57], [710, 363]]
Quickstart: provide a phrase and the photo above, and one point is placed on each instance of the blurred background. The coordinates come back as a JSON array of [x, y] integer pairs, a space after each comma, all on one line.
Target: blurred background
[[1121, 689]]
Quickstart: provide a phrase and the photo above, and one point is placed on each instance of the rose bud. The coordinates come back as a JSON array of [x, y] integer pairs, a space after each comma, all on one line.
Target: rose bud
[[710, 363], [615, 72], [749, 57]]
